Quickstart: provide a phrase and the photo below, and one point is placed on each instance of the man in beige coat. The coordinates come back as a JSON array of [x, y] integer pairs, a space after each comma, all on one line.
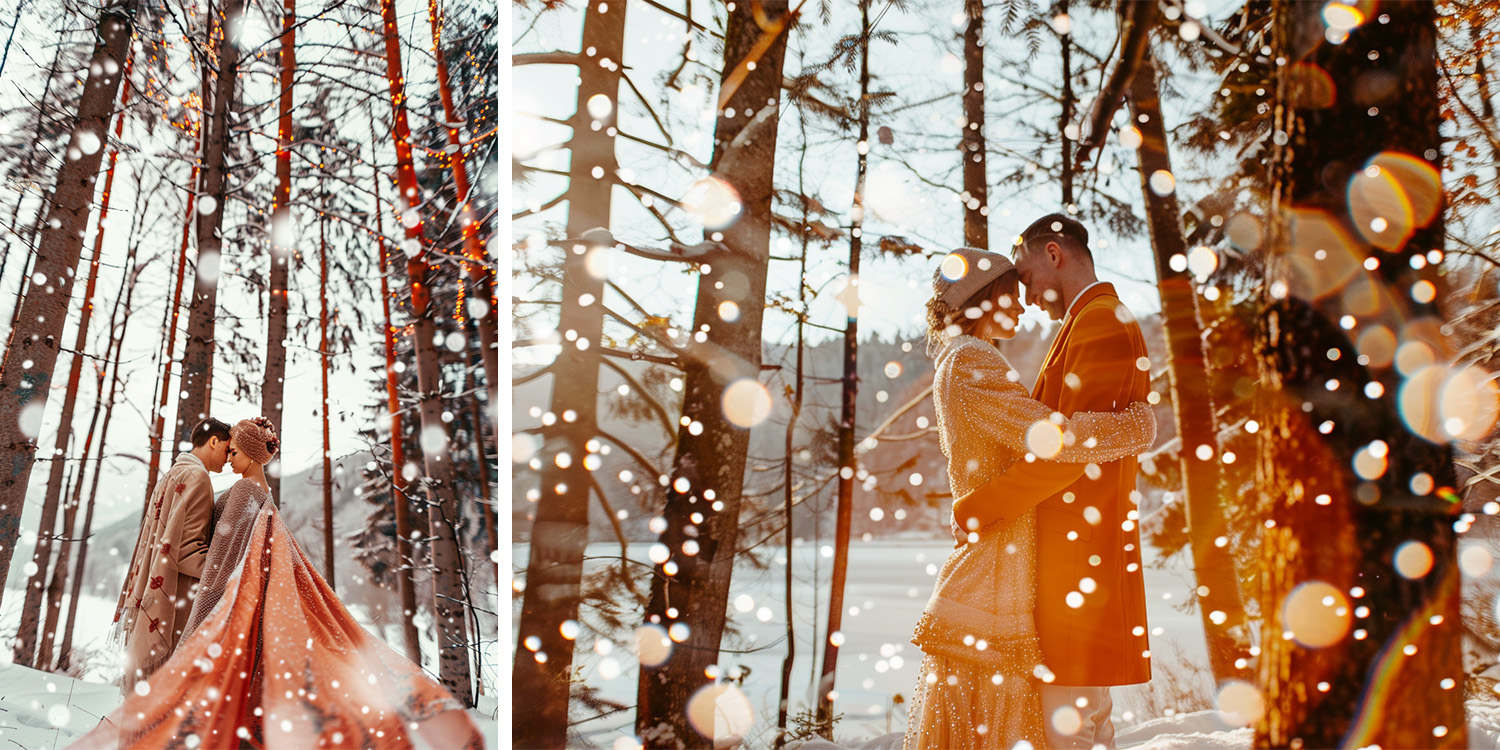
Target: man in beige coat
[[169, 555]]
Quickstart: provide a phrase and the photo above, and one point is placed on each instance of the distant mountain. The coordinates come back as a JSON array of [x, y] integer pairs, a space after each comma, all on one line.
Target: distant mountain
[[891, 374]]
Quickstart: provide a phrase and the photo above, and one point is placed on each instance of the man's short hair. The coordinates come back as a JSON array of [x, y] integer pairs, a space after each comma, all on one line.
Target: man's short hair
[[209, 428], [1062, 226]]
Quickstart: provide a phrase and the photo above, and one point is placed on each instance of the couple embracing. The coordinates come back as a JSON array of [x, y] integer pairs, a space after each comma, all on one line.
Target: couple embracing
[[1041, 607], [232, 638]]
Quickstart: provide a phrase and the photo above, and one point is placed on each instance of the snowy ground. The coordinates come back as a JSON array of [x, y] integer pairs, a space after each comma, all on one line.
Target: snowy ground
[[889, 583], [44, 710]]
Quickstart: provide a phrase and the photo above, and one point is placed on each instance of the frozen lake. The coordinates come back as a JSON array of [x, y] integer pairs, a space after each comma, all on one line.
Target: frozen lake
[[889, 583]]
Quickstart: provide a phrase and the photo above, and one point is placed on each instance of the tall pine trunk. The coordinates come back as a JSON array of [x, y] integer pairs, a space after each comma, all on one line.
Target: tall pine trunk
[[32, 355], [702, 510], [477, 264], [198, 353], [400, 503], [1361, 636], [850, 391], [323, 409], [1220, 604], [442, 513], [541, 677], [283, 234], [169, 344], [1065, 38], [59, 570], [111, 364], [976, 184], [37, 589]]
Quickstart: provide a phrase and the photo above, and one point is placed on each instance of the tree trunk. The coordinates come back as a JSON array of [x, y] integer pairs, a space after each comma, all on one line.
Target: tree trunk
[[488, 512], [198, 353], [847, 417], [976, 182], [283, 234], [323, 409], [15, 212], [169, 344], [1220, 605], [111, 361], [541, 677], [1065, 38], [37, 587], [1349, 500], [32, 355], [399, 500], [442, 515], [478, 266], [70, 401], [703, 498]]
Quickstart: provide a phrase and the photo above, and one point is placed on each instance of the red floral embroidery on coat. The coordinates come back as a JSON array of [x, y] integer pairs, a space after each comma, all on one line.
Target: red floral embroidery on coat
[[155, 623], [166, 547], [158, 508], [156, 582], [137, 602], [181, 486]]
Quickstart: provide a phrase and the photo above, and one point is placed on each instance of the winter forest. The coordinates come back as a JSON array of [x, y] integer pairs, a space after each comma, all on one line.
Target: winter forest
[[731, 496], [235, 210]]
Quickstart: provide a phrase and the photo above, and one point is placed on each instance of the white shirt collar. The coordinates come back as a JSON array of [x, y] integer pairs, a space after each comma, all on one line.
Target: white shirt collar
[[1077, 297]]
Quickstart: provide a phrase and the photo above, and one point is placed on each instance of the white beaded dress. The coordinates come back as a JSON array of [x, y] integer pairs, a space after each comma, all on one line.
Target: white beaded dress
[[981, 670]]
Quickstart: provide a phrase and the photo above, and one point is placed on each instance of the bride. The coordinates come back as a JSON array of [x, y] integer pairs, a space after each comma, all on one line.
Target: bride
[[978, 685], [270, 658]]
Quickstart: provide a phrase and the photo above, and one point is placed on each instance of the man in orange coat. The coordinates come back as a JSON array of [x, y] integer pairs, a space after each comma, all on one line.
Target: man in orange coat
[[1091, 595]]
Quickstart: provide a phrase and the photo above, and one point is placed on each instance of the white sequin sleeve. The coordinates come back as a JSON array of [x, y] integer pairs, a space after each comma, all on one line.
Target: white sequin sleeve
[[978, 387]]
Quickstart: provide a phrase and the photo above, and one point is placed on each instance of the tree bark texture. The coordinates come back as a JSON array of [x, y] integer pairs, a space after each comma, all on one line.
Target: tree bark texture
[[283, 234], [976, 183], [198, 353], [542, 677], [32, 355], [443, 517], [1360, 589], [323, 408], [1192, 402], [703, 498]]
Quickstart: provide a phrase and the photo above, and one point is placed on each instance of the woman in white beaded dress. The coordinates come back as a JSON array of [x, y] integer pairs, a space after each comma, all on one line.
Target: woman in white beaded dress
[[270, 658], [978, 685]]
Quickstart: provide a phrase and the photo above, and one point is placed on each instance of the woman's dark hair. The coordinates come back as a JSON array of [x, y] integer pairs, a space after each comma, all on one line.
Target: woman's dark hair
[[209, 428], [940, 315]]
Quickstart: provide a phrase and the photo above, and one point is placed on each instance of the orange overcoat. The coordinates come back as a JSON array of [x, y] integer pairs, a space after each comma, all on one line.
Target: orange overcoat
[[1091, 594]]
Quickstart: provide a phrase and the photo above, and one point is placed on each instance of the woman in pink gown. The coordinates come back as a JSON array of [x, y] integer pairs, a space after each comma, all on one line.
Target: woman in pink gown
[[270, 658]]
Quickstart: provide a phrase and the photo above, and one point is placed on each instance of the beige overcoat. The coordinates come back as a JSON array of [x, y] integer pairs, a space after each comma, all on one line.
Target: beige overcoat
[[164, 571]]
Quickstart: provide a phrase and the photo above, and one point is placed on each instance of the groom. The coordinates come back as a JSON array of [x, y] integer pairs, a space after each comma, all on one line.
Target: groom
[[1091, 596], [169, 555]]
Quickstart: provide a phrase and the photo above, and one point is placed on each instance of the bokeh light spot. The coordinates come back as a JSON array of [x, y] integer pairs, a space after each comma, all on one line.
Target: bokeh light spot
[[1317, 614], [747, 403], [1413, 560]]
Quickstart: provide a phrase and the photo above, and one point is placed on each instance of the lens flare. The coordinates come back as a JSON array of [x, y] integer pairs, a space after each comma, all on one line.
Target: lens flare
[[1469, 404], [1322, 257], [747, 403], [1317, 614], [1413, 560], [1240, 703], [1202, 261], [1245, 231], [713, 202], [1392, 197], [721, 711], [1044, 439], [1311, 86], [652, 646], [954, 267]]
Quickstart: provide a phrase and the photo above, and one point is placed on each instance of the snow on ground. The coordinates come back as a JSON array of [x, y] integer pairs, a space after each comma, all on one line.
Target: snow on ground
[[889, 583], [44, 710]]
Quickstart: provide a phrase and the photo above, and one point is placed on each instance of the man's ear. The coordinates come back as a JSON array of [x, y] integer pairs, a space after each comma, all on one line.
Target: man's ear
[[1055, 254]]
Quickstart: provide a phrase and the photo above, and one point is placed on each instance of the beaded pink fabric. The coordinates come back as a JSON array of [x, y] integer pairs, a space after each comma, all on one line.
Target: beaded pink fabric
[[978, 686], [277, 662]]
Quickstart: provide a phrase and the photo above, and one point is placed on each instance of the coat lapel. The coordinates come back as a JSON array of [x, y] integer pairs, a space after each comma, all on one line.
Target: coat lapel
[[1061, 342]]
